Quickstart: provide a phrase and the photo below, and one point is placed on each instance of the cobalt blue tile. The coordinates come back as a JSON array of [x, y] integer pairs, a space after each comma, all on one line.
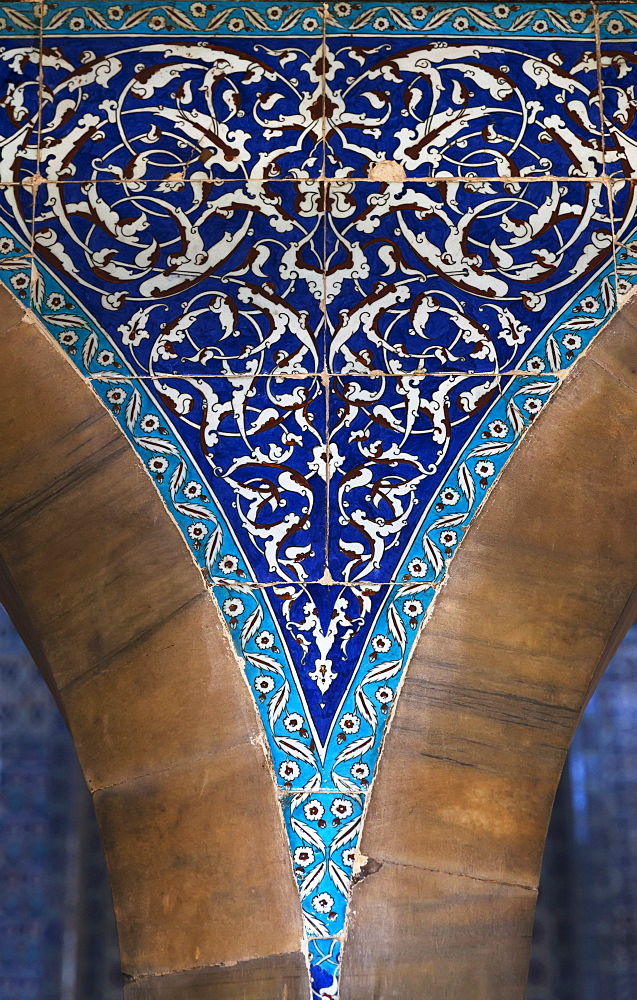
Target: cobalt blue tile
[[619, 77], [196, 278], [453, 277], [260, 443], [225, 101], [399, 450], [462, 104], [325, 957], [19, 91]]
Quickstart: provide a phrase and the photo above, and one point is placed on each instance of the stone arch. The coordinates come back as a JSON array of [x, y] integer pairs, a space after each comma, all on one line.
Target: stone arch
[[103, 589]]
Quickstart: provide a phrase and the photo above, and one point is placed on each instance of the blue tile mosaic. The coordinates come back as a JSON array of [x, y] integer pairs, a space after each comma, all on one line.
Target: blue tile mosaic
[[325, 265]]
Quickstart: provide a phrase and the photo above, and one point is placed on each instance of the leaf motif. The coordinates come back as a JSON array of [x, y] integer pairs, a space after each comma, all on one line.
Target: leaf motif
[[494, 448], [159, 446], [434, 555], [515, 417], [365, 706], [195, 510], [355, 749], [397, 627], [58, 19], [466, 483], [315, 927], [539, 387], [553, 354], [264, 662], [89, 348], [19, 17], [19, 264], [416, 587], [346, 834], [278, 701], [340, 879], [345, 784], [177, 478], [448, 521], [254, 18], [307, 834], [133, 409], [212, 546], [178, 16], [296, 749], [252, 624], [95, 17], [608, 295], [580, 323], [382, 672], [312, 879]]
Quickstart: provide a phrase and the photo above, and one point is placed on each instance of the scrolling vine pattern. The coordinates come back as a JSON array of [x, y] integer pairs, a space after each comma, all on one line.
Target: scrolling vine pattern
[[324, 367]]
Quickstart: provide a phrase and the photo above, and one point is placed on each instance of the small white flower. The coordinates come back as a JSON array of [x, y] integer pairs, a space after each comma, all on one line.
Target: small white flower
[[448, 538], [303, 857], [589, 304], [310, 24], [265, 640], [158, 464], [532, 405], [263, 684], [501, 11], [68, 338], [105, 358], [116, 396], [232, 607], [614, 26], [157, 22], [198, 9], [540, 26], [417, 567], [498, 429], [192, 490], [313, 810], [55, 301], [348, 857], [623, 286], [449, 497], [350, 723], [484, 468], [150, 423], [412, 608], [289, 770], [293, 722], [381, 643], [419, 13], [115, 13], [460, 23], [76, 23], [359, 771], [6, 245], [381, 24], [343, 9], [535, 365], [577, 16], [323, 903], [197, 531], [572, 341], [228, 564], [384, 695], [20, 281], [341, 808]]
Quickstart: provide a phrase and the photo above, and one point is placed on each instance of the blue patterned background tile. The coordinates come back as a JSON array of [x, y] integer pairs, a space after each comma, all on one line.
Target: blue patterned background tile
[[194, 278], [617, 21], [168, 106], [619, 76], [456, 278], [19, 95], [463, 107]]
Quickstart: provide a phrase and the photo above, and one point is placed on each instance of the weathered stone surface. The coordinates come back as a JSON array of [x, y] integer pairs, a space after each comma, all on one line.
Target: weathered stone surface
[[176, 694], [198, 876], [108, 597], [281, 977], [418, 934]]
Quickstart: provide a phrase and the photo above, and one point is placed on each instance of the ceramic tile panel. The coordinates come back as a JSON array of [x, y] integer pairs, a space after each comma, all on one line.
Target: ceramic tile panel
[[486, 90], [202, 91], [456, 278], [324, 264], [194, 278]]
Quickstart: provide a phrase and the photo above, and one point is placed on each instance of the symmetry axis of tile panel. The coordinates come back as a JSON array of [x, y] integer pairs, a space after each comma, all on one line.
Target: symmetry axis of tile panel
[[325, 264]]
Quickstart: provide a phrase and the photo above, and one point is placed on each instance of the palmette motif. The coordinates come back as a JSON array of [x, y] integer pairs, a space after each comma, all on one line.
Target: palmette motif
[[323, 372]]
